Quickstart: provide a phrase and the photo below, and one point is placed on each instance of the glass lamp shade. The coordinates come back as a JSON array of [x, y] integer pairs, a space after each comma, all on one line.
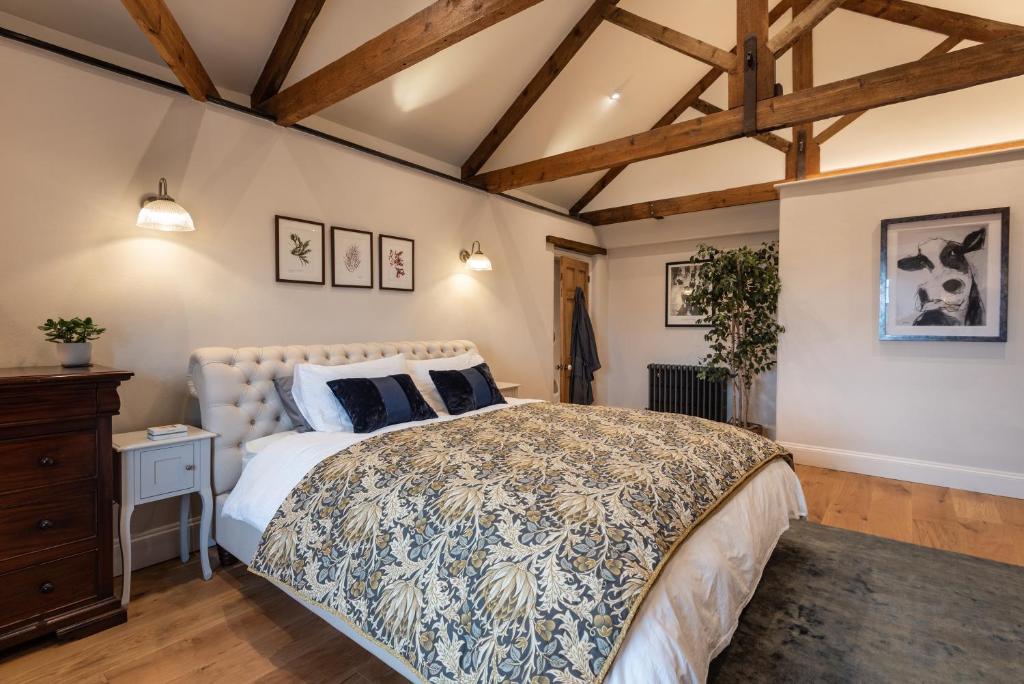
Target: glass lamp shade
[[478, 262], [166, 215]]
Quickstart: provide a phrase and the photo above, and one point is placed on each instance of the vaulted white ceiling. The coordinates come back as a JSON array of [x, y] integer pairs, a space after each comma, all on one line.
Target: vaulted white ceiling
[[442, 107]]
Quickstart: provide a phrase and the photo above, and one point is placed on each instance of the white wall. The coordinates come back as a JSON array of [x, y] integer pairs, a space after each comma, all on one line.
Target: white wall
[[81, 147], [636, 333], [945, 413]]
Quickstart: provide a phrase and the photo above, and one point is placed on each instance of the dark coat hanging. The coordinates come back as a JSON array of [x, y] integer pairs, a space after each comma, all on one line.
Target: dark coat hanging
[[582, 353]]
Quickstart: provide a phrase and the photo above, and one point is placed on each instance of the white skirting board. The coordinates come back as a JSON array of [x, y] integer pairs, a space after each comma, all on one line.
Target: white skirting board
[[155, 545], [999, 482]]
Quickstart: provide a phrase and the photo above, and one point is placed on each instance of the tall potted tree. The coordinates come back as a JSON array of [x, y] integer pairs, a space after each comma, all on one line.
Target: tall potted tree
[[737, 293]]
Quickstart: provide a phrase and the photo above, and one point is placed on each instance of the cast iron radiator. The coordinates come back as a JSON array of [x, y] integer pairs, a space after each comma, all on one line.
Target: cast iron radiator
[[678, 389]]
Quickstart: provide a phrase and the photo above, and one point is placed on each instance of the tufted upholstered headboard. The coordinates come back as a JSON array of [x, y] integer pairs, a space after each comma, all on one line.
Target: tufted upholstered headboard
[[237, 399]]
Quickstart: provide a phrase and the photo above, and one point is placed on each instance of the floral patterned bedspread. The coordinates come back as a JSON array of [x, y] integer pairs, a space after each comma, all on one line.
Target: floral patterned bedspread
[[515, 545]]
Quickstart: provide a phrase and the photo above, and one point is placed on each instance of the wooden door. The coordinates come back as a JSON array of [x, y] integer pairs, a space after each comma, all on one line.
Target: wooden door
[[572, 273]]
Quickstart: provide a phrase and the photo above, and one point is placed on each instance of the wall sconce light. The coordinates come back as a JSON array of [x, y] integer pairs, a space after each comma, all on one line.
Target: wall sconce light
[[477, 261], [161, 212]]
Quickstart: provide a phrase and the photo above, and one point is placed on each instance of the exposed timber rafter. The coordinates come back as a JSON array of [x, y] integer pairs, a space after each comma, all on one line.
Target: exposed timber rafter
[[804, 156], [286, 49], [769, 139], [162, 30], [802, 23], [432, 29], [934, 19], [733, 197], [684, 103], [940, 74], [847, 119], [670, 38], [554, 65]]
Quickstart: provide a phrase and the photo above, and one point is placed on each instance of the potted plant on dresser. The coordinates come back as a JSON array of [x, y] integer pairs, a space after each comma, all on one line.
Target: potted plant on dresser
[[73, 338], [737, 294]]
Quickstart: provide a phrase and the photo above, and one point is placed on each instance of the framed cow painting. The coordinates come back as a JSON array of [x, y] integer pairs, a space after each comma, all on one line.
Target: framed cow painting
[[944, 276]]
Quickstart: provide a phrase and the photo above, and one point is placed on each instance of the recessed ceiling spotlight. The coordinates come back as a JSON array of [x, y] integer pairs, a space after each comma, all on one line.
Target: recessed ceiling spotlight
[[615, 96]]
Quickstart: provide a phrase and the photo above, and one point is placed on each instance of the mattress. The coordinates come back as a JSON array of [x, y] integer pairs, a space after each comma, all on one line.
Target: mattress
[[689, 614]]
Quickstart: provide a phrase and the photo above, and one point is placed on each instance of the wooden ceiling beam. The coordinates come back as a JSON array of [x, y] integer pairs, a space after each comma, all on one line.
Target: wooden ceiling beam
[[160, 27], [432, 29], [670, 38], [769, 139], [803, 22], [804, 156], [944, 73], [684, 103], [733, 197], [286, 49], [934, 19], [942, 48], [752, 21], [554, 65]]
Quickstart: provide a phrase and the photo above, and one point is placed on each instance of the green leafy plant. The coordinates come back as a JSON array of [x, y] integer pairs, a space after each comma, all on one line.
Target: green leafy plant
[[75, 330], [736, 292]]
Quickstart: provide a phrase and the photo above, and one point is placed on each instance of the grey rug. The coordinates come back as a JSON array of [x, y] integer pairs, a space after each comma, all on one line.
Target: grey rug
[[840, 606]]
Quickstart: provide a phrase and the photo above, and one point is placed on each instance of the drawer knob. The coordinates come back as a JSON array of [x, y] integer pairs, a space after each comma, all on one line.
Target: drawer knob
[[47, 461], [45, 524], [46, 588], [189, 466]]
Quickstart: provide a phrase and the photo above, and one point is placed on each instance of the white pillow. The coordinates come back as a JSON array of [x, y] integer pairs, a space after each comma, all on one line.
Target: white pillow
[[420, 372], [317, 403]]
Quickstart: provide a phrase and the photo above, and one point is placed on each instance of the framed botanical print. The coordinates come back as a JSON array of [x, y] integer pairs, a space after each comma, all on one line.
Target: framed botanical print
[[679, 279], [396, 258], [351, 257], [299, 250], [944, 276]]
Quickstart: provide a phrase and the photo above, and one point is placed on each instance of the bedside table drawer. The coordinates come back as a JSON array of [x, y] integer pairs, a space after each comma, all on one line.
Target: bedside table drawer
[[39, 461], [166, 470]]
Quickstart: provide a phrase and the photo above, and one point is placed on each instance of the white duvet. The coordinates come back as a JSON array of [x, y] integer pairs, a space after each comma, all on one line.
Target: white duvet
[[689, 614]]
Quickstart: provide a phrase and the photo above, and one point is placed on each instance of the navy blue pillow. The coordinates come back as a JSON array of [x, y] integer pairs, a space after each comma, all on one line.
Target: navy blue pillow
[[373, 403], [467, 390]]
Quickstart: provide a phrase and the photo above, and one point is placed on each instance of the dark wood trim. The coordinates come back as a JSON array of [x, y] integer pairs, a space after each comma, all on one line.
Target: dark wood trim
[[934, 19], [380, 262], [158, 24], [668, 265], [718, 199], [574, 246], [941, 74], [432, 29], [277, 251], [1004, 262], [334, 261], [286, 49], [540, 82]]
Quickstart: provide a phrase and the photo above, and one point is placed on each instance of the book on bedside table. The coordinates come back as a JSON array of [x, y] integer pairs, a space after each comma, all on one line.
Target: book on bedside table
[[166, 431]]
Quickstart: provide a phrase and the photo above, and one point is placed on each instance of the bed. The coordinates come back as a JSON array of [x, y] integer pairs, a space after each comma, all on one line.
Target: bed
[[689, 608]]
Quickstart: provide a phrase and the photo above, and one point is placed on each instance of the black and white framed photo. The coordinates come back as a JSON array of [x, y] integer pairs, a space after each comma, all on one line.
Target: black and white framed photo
[[679, 279], [944, 277], [299, 250], [351, 257], [397, 263]]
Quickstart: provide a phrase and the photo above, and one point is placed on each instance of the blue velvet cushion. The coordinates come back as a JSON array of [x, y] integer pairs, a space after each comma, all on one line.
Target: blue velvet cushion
[[373, 403], [467, 390]]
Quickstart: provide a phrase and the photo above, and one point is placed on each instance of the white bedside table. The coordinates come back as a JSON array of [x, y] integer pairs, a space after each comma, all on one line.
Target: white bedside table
[[508, 389], [152, 470]]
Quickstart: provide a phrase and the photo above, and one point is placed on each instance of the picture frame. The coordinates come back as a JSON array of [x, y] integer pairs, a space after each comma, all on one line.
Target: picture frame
[[944, 277], [677, 311], [299, 250], [351, 257], [396, 263]]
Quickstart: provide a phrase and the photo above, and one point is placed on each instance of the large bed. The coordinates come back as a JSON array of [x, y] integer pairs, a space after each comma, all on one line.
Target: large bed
[[687, 612]]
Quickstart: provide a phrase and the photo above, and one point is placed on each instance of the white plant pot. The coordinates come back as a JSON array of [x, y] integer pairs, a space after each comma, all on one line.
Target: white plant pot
[[72, 354]]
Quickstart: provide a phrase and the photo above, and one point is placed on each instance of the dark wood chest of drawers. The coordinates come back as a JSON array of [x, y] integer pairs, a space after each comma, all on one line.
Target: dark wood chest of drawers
[[56, 496]]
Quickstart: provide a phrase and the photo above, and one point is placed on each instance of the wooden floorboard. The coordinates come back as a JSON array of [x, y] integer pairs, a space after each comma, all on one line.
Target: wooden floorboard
[[237, 628]]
